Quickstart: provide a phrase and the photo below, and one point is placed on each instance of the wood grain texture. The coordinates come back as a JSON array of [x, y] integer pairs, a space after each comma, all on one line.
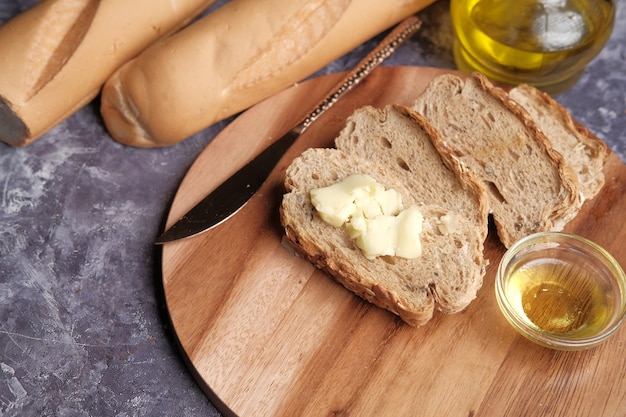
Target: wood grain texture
[[266, 334]]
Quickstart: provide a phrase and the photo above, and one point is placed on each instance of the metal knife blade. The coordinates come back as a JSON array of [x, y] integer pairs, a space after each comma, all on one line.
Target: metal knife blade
[[227, 199]]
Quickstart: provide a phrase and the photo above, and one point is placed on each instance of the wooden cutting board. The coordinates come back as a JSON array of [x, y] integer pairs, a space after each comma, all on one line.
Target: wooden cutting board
[[266, 334]]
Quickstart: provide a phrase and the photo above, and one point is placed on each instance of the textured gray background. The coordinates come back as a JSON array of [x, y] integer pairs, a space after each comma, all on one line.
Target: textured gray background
[[83, 328]]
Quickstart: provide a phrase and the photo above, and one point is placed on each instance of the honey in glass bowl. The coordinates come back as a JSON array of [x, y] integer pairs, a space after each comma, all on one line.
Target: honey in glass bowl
[[545, 43], [561, 290], [560, 297]]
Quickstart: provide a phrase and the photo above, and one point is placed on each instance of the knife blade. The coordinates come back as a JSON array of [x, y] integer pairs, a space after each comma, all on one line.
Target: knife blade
[[228, 198]]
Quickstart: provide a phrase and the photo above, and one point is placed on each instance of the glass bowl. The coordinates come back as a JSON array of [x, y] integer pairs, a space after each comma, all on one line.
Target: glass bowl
[[561, 290]]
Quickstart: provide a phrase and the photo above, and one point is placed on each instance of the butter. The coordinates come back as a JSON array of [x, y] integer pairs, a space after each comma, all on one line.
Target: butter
[[359, 194], [386, 235], [409, 227], [448, 223], [373, 217]]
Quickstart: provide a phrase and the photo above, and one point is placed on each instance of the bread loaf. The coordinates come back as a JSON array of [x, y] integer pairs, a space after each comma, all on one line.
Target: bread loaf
[[582, 150], [403, 141], [448, 274], [233, 58], [57, 55], [531, 188]]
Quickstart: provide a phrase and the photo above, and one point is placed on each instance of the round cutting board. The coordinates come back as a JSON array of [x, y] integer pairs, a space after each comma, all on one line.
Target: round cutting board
[[266, 334]]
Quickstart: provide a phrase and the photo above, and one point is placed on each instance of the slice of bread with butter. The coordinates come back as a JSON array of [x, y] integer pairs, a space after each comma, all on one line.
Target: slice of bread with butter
[[449, 266]]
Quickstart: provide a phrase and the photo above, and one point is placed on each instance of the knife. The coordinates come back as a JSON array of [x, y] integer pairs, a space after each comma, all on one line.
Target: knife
[[227, 199]]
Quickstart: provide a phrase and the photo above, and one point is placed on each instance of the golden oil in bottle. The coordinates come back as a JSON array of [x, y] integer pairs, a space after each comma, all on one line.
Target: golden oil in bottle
[[546, 43], [559, 297]]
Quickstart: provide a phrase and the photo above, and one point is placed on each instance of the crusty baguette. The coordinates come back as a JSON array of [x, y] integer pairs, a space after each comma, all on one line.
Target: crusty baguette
[[404, 141], [233, 58], [57, 55], [582, 150], [448, 274], [530, 186]]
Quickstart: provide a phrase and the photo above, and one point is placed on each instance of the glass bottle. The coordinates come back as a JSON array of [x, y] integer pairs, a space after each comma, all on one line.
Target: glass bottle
[[545, 43]]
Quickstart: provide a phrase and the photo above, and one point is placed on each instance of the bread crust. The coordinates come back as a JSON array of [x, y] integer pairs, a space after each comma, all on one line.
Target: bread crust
[[59, 53], [233, 58]]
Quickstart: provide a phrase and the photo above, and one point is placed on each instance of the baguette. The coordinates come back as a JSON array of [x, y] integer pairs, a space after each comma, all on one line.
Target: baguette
[[402, 140], [448, 274], [582, 150], [233, 58], [531, 188], [57, 55]]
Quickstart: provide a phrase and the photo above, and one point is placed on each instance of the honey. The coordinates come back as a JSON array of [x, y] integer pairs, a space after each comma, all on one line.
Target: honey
[[560, 297], [546, 43], [561, 290]]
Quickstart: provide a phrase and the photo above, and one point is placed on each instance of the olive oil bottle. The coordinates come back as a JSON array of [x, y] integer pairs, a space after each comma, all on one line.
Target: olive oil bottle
[[546, 43]]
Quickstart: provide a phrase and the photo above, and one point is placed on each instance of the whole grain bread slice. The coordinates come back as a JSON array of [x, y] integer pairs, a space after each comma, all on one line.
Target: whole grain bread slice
[[402, 140], [448, 274], [531, 188], [582, 150]]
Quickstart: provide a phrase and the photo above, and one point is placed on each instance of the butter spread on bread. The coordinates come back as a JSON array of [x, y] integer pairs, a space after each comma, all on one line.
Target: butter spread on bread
[[387, 235], [355, 195], [372, 215], [446, 276], [449, 223], [57, 55]]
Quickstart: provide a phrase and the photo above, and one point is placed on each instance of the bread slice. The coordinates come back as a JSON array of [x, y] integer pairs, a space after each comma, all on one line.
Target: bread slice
[[530, 186], [582, 150], [448, 274], [402, 140]]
